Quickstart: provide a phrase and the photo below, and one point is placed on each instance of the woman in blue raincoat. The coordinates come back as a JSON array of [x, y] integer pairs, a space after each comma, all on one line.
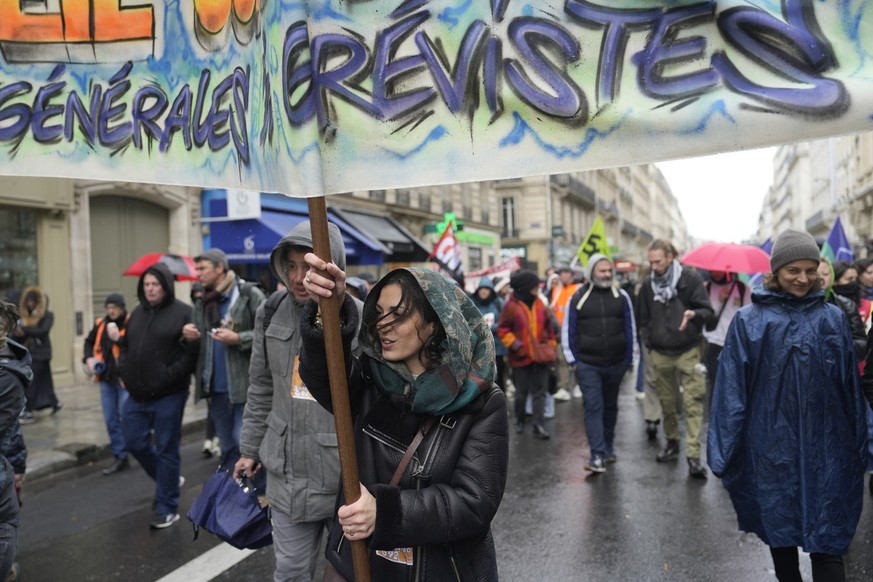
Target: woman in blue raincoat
[[787, 430]]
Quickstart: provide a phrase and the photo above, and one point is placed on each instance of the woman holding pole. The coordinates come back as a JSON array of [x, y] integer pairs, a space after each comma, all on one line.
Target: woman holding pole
[[430, 426]]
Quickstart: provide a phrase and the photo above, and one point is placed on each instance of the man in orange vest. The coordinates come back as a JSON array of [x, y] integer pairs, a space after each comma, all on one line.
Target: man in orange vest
[[101, 360], [560, 296]]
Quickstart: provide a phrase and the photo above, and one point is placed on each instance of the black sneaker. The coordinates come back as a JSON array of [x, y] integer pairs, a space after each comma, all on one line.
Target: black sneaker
[[652, 429], [162, 520], [57, 407], [116, 467], [540, 432], [695, 469], [596, 464], [670, 452]]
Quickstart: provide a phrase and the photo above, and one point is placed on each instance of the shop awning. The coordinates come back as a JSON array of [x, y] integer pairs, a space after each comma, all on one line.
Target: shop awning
[[401, 246], [252, 240]]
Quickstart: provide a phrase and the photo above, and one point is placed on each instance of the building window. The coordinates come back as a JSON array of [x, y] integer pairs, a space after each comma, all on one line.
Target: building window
[[424, 201], [447, 205], [402, 198], [475, 256], [468, 212], [377, 195], [507, 215], [18, 265]]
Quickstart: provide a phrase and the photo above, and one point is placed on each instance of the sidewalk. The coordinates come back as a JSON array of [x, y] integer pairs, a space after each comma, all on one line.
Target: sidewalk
[[77, 434]]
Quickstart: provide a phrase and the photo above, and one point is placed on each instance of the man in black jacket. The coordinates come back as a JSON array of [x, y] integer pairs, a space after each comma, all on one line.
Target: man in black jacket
[[156, 366], [674, 308], [599, 338]]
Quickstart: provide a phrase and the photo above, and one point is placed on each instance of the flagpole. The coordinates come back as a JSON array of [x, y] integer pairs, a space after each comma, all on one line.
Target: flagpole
[[339, 392]]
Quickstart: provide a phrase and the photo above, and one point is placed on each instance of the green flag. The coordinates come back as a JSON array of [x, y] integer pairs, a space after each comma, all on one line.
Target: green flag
[[594, 243]]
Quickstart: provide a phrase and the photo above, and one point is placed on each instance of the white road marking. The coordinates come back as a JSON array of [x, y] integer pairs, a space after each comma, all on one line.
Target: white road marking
[[207, 566]]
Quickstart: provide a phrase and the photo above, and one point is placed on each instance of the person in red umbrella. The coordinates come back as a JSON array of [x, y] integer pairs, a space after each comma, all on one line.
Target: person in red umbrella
[[727, 295]]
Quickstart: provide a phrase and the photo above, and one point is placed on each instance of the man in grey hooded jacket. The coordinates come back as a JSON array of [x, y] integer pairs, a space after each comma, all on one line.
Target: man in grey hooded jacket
[[284, 429]]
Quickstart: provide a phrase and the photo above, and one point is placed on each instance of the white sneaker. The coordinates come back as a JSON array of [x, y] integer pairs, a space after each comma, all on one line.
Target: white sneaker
[[641, 395], [577, 392], [181, 481], [562, 395]]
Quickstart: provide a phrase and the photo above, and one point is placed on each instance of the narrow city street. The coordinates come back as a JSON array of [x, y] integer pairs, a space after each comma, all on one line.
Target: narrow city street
[[639, 521]]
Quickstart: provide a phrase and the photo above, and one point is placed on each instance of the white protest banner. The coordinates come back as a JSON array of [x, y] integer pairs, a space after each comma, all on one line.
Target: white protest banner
[[310, 98]]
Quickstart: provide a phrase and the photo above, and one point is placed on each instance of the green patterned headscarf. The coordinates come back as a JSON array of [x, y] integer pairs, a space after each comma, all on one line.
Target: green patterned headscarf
[[467, 365]]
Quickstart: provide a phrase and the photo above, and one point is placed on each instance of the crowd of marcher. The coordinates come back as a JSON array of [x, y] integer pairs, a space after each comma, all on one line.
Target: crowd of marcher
[[778, 373]]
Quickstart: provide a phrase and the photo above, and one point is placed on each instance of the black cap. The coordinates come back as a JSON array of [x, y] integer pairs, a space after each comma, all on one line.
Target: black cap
[[114, 299]]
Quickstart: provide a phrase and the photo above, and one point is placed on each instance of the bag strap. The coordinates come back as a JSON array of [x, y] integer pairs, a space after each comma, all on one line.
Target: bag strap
[[410, 451], [725, 302]]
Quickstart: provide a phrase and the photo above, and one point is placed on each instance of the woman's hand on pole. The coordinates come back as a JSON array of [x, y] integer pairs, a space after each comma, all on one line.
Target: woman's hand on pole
[[358, 519]]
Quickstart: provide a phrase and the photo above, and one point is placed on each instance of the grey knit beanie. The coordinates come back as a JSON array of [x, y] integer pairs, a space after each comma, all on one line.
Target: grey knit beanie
[[593, 260], [793, 245]]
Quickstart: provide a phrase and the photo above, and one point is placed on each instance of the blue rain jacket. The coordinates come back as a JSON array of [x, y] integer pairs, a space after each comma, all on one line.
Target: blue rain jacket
[[787, 432]]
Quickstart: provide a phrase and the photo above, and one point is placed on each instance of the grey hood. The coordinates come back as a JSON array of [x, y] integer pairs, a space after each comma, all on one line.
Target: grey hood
[[301, 236]]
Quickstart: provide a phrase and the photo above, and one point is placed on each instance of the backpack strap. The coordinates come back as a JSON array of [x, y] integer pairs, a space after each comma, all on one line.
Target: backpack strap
[[272, 305]]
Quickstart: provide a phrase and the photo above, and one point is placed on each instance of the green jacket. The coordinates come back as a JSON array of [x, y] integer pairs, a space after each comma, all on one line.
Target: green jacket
[[242, 313]]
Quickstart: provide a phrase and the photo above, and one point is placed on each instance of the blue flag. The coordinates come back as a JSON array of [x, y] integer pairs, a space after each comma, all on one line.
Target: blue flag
[[837, 246]]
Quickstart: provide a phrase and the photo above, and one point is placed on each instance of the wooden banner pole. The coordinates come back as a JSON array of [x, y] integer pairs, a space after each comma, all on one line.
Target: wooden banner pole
[[339, 391]]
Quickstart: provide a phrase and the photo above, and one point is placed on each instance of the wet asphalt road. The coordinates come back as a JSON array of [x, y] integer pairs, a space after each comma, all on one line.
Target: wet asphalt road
[[639, 521]]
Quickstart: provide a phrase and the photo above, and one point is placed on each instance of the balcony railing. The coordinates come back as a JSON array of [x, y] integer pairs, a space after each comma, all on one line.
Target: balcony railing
[[582, 193]]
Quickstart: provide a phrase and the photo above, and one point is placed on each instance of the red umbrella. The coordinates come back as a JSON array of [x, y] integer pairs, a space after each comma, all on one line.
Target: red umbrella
[[728, 257], [181, 267]]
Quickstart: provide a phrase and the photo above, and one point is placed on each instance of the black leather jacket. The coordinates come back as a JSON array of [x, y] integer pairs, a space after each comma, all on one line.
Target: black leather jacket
[[448, 495]]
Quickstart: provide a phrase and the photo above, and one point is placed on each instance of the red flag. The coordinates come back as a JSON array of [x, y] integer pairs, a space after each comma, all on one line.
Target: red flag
[[447, 255]]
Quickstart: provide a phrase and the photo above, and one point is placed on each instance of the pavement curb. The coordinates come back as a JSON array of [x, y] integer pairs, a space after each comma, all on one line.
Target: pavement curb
[[78, 454]]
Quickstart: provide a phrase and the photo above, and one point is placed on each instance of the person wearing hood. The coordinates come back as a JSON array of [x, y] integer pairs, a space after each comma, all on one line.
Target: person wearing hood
[[673, 310], [156, 365], [33, 333], [525, 328], [100, 356], [15, 375], [853, 318], [787, 430], [846, 284], [424, 385], [284, 430], [599, 338], [490, 305]]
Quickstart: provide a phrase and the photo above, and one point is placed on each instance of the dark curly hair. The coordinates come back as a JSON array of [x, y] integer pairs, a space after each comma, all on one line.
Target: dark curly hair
[[8, 317], [412, 300]]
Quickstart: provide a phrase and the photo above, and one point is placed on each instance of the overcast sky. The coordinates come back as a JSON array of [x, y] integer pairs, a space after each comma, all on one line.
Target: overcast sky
[[720, 196]]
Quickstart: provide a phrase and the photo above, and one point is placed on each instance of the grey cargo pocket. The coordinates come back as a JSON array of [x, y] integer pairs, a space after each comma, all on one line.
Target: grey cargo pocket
[[327, 462], [279, 348], [272, 451]]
